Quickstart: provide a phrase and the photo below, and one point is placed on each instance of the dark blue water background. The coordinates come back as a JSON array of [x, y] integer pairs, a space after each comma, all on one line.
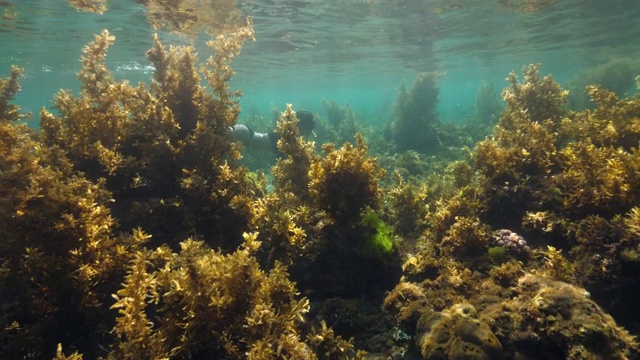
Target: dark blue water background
[[349, 51]]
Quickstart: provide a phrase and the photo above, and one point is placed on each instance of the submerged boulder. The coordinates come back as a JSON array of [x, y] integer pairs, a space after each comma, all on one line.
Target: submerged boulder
[[547, 319], [455, 334]]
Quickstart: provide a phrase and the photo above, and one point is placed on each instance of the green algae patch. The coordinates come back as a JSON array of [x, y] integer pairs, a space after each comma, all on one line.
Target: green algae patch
[[380, 239], [498, 254]]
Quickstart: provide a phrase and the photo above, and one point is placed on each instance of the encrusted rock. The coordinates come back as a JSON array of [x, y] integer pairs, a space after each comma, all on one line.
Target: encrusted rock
[[456, 334]]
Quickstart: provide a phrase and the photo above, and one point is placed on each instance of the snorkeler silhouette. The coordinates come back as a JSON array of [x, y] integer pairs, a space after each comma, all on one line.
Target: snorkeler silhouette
[[269, 141]]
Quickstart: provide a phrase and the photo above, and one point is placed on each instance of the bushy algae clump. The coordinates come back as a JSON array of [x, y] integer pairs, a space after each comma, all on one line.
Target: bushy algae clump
[[344, 124], [59, 256], [346, 181], [208, 304], [405, 204], [416, 124], [456, 333], [488, 104], [96, 203], [616, 76], [552, 193], [569, 176], [284, 217], [163, 150]]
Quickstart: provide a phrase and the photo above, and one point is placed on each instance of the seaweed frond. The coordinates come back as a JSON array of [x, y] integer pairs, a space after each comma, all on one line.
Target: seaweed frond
[[9, 87], [346, 181], [209, 304], [556, 266], [416, 126], [291, 172]]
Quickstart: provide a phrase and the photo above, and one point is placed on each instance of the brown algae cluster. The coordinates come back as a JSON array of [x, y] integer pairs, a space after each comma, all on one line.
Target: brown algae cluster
[[197, 296], [163, 151], [130, 230], [78, 272], [346, 181], [416, 126], [60, 255], [566, 182]]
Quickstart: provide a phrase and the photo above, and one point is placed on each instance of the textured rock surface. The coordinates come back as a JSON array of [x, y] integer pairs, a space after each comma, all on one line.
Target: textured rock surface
[[456, 333]]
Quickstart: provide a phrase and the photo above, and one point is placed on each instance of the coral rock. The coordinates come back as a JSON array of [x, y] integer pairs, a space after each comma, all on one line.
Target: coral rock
[[511, 241]]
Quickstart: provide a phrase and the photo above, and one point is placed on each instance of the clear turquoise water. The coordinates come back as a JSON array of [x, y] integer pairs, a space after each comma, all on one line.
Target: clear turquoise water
[[353, 51]]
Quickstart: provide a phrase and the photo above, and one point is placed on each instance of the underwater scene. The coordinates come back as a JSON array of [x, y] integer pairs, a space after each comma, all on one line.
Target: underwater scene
[[331, 180]]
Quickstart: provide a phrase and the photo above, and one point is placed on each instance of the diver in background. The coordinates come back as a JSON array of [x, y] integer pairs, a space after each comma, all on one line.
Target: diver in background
[[269, 141]]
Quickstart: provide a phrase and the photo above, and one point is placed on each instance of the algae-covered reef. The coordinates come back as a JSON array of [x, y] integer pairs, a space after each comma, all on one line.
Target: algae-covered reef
[[131, 230], [59, 253], [537, 244], [162, 150], [111, 213]]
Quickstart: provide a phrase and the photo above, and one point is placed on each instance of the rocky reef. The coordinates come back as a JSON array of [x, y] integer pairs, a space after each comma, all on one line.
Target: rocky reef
[[79, 273], [527, 243], [131, 230], [543, 319], [456, 333]]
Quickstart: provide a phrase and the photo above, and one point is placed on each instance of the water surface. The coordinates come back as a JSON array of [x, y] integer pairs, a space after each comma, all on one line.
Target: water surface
[[348, 51]]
